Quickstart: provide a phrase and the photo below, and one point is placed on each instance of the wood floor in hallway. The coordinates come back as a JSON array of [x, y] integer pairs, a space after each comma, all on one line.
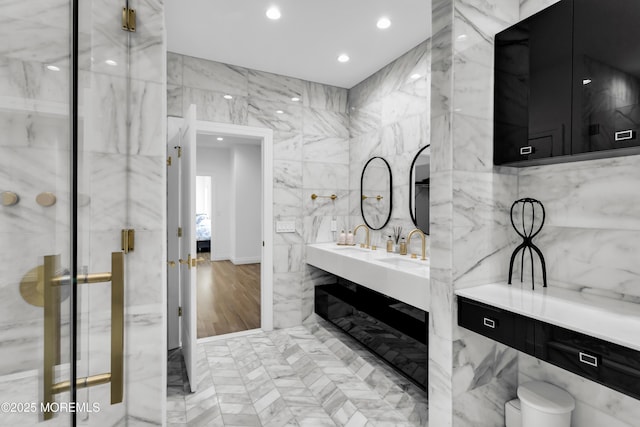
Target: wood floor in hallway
[[228, 297]]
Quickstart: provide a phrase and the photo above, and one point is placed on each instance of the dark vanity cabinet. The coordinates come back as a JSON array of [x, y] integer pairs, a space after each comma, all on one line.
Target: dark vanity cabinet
[[609, 364], [566, 84], [532, 98], [606, 84], [393, 330]]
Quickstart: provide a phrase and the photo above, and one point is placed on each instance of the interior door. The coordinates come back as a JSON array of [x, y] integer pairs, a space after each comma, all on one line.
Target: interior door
[[187, 202], [173, 239]]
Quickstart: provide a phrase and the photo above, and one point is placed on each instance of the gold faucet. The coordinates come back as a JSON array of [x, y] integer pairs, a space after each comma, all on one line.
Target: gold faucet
[[366, 238], [424, 242]]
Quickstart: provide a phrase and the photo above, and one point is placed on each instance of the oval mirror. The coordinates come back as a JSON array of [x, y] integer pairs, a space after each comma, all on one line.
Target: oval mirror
[[375, 193], [419, 189]]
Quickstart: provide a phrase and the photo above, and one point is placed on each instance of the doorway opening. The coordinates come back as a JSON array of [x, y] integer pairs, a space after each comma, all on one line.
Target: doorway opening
[[228, 233], [233, 230]]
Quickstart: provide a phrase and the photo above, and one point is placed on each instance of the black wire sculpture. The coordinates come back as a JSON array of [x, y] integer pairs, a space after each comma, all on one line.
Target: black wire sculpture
[[527, 236]]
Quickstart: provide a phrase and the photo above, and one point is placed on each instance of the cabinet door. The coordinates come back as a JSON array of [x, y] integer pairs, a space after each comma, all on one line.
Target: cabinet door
[[606, 87], [532, 109]]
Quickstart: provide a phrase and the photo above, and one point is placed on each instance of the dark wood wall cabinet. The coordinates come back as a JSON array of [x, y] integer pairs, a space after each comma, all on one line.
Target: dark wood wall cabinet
[[391, 329], [609, 364], [567, 84]]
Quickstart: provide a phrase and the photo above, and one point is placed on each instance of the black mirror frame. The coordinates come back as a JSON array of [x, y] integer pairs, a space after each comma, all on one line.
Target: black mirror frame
[[390, 193], [411, 186]]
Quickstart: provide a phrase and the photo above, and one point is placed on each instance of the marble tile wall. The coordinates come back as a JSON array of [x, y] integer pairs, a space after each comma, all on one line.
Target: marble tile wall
[[470, 377], [311, 155], [389, 117], [590, 243], [122, 185]]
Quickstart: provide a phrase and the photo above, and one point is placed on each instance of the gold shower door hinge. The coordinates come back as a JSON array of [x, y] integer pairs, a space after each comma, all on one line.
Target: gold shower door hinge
[[179, 311], [169, 161], [129, 19], [128, 238], [179, 151], [179, 231]]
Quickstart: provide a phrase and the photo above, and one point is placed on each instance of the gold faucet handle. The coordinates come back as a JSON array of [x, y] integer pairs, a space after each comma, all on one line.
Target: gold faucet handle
[[414, 256]]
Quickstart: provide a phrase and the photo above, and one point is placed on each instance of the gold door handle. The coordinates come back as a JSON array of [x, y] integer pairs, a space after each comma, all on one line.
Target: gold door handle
[[51, 289], [190, 262], [171, 263]]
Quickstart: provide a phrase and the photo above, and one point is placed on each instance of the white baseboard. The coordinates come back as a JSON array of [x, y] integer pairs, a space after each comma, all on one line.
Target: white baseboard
[[246, 260], [219, 257]]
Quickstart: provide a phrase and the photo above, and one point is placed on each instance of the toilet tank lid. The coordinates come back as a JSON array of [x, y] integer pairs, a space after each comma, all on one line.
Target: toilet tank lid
[[546, 397]]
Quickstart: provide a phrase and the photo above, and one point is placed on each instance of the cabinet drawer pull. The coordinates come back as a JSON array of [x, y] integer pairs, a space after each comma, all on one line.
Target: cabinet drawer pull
[[526, 150], [489, 323], [588, 359], [624, 135]]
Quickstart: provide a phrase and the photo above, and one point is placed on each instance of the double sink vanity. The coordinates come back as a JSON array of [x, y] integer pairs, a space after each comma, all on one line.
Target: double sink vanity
[[380, 299]]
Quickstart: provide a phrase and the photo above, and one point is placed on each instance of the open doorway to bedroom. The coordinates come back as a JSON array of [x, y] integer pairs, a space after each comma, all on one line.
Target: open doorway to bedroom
[[228, 233]]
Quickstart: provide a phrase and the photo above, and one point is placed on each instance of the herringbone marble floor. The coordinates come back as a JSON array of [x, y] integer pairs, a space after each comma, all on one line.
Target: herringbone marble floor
[[304, 376]]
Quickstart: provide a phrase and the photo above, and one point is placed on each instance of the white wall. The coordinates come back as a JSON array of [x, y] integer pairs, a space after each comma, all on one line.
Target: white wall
[[247, 179], [236, 231], [216, 162]]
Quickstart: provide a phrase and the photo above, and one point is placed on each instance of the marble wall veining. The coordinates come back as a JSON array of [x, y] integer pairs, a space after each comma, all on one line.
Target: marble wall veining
[[389, 117], [470, 377], [311, 155]]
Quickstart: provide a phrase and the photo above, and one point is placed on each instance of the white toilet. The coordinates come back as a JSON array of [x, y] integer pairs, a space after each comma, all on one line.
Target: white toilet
[[542, 404]]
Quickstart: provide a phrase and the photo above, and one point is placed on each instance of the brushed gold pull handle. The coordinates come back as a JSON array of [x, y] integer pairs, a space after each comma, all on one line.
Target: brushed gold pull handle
[[117, 327], [52, 287]]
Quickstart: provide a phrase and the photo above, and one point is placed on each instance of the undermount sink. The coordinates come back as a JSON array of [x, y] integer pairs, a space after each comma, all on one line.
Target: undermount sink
[[404, 263], [397, 276], [351, 250]]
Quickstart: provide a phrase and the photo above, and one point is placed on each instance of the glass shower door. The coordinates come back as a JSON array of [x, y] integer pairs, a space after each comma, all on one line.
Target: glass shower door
[[64, 174], [103, 176], [36, 211]]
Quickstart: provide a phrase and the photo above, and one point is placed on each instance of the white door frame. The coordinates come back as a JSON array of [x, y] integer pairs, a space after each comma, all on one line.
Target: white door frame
[[266, 266]]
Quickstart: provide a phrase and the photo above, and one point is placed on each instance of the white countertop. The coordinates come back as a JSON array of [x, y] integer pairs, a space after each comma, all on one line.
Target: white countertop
[[397, 276], [609, 319]]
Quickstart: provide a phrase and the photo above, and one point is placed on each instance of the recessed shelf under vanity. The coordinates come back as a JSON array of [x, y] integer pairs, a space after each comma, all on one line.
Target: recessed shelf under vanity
[[592, 336]]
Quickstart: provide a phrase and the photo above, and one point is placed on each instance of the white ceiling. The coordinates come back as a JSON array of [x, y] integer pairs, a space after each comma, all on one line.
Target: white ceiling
[[305, 42]]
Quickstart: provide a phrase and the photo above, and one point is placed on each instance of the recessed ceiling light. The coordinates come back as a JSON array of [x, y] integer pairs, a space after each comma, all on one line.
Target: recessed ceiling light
[[228, 97], [53, 68], [343, 58], [273, 13], [586, 81], [279, 112], [220, 138], [415, 76], [295, 99], [111, 62], [383, 23], [462, 37]]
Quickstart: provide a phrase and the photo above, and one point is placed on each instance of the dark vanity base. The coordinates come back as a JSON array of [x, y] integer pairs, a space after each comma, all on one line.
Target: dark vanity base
[[607, 363], [394, 331]]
